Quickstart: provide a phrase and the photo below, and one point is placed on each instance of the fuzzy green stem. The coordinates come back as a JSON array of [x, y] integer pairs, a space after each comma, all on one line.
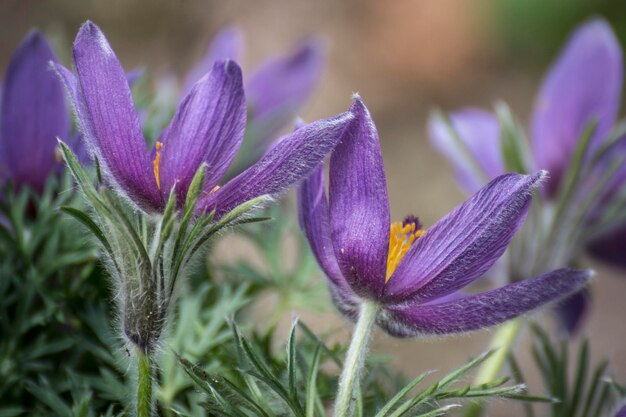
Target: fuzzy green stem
[[355, 359], [503, 340], [144, 385]]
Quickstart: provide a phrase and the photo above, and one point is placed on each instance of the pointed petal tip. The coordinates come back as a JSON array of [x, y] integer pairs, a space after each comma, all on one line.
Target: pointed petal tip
[[89, 35], [358, 108]]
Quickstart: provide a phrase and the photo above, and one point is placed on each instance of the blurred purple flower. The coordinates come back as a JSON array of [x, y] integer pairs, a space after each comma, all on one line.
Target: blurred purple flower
[[207, 128], [276, 89], [415, 276], [583, 85], [621, 412], [33, 114]]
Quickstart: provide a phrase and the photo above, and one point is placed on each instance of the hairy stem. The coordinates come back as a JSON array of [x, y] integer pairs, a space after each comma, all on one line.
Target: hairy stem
[[503, 340], [355, 359], [144, 385]]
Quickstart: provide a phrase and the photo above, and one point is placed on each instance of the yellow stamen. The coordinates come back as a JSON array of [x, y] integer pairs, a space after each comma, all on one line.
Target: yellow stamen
[[157, 161], [401, 238]]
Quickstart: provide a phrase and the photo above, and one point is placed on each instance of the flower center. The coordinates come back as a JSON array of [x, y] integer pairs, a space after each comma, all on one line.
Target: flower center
[[157, 161], [401, 237]]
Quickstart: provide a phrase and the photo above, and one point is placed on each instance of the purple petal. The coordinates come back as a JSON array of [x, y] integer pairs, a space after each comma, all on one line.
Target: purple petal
[[573, 310], [315, 222], [227, 44], [464, 244], [359, 206], [479, 131], [34, 113], [482, 310], [280, 86], [610, 247], [109, 120], [208, 127], [584, 83], [292, 159], [621, 412]]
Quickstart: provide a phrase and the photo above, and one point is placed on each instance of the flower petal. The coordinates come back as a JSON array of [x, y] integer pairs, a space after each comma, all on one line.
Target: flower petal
[[208, 127], [108, 118], [34, 113], [289, 161], [227, 44], [584, 83], [465, 243], [315, 222], [280, 86], [482, 310], [359, 206], [479, 131]]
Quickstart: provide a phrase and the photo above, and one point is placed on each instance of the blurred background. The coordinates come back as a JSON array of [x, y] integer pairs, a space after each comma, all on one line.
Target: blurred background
[[405, 57]]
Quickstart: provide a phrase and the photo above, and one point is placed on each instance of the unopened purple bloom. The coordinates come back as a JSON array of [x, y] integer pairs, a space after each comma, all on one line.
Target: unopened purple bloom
[[413, 275], [276, 89], [33, 114], [207, 128]]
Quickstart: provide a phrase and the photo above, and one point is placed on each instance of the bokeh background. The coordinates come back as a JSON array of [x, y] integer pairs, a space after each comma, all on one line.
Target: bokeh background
[[405, 57]]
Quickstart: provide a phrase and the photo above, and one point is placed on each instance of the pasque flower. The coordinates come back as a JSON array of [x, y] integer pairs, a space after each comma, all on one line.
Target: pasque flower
[[34, 113], [276, 89], [208, 128], [415, 275], [401, 277], [582, 87]]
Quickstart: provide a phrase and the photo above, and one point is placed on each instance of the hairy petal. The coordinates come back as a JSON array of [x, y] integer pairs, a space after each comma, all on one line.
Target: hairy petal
[[34, 113], [479, 132], [584, 84], [109, 120], [464, 244], [290, 160], [207, 127], [482, 310], [359, 205], [315, 222]]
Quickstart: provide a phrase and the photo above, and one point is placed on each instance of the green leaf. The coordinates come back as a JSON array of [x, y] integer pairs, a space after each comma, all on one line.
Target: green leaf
[[512, 141], [401, 394], [311, 386]]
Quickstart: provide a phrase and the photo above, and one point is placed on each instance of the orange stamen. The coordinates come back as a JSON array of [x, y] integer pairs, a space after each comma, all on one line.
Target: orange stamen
[[401, 237], [157, 161]]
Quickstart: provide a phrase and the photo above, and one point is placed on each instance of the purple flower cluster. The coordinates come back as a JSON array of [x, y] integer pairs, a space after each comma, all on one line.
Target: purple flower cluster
[[414, 275]]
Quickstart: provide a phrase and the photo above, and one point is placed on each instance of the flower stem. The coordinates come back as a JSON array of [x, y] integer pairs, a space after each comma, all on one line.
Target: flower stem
[[144, 385], [503, 340], [355, 359]]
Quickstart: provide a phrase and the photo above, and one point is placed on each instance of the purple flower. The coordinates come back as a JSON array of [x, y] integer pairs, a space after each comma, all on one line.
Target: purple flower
[[34, 113], [276, 89], [207, 128], [584, 84], [415, 276], [621, 412]]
